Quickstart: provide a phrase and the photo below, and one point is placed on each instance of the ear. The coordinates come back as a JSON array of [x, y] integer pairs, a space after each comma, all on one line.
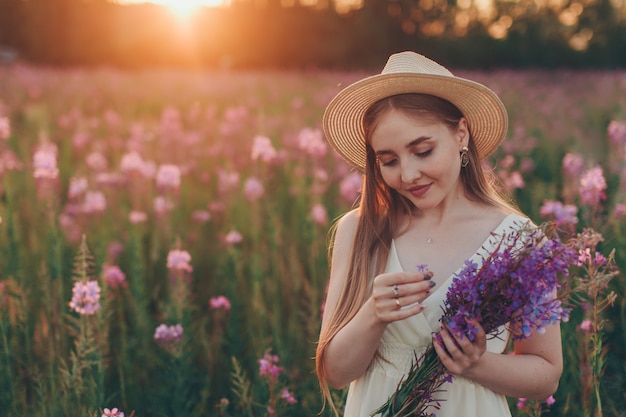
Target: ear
[[462, 132]]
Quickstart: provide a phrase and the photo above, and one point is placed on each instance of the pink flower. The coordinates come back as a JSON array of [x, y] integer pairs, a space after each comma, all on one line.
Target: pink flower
[[563, 214], [584, 256], [253, 189], [136, 217], [114, 412], [585, 325], [113, 276], [617, 132], [227, 181], [350, 187], [168, 336], [514, 180], [287, 396], [78, 185], [179, 260], [550, 400], [619, 210], [162, 205], [45, 162], [263, 149], [233, 237], [319, 215], [506, 162], [573, 164], [268, 366], [592, 186], [97, 161], [521, 403], [5, 128], [80, 140], [132, 162], [201, 216], [168, 176], [115, 249], [85, 297], [312, 142], [95, 202], [219, 303]]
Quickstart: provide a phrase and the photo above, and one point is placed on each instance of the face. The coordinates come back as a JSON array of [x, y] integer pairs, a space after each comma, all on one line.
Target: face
[[420, 157]]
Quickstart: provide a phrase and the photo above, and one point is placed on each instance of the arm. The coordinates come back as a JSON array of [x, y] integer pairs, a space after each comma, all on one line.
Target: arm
[[531, 371], [351, 350]]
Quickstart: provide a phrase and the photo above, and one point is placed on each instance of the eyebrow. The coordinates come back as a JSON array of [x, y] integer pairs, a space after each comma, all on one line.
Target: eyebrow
[[409, 145]]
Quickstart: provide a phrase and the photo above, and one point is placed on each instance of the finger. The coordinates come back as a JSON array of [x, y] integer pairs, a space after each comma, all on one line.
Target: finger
[[451, 343], [446, 360], [421, 289], [392, 278], [408, 311]]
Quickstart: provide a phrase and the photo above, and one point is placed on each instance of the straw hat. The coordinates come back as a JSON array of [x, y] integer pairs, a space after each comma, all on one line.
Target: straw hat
[[409, 72]]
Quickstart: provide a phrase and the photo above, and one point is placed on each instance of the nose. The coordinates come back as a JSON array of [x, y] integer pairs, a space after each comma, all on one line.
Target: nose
[[410, 170]]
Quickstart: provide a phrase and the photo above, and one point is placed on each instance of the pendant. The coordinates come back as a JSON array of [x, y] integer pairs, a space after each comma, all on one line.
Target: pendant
[[429, 240]]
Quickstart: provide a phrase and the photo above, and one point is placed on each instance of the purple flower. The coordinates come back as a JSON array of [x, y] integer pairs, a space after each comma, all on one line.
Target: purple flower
[[168, 336], [268, 366], [563, 214], [514, 286], [85, 297]]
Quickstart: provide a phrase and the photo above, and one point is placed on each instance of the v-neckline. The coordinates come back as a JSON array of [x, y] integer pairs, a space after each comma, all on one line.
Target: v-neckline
[[394, 252]]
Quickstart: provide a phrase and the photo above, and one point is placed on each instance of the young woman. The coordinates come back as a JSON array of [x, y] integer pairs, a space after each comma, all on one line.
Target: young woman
[[420, 135]]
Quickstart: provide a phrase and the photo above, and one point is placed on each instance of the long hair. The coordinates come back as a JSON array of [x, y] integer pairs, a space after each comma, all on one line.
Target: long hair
[[380, 207]]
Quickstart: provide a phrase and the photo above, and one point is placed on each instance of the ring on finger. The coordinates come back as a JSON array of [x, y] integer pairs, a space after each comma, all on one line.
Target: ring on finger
[[395, 290]]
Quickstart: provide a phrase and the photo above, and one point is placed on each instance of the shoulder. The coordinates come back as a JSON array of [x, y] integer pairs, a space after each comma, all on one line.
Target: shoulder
[[345, 228]]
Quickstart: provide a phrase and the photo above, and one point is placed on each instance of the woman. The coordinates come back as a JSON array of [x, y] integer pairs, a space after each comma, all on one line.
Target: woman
[[420, 135]]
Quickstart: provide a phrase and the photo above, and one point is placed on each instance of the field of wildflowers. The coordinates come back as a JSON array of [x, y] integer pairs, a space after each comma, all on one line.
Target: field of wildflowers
[[163, 235]]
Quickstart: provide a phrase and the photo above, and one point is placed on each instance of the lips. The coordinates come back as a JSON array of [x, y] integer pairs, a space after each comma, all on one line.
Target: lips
[[419, 190]]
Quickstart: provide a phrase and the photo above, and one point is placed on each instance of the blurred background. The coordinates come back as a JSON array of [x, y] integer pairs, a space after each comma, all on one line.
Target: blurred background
[[300, 34]]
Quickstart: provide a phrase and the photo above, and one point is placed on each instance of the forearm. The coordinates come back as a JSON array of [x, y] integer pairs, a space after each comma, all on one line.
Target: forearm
[[517, 375], [350, 352]]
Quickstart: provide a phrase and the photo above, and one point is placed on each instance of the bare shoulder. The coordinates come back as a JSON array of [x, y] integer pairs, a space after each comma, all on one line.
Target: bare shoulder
[[346, 226]]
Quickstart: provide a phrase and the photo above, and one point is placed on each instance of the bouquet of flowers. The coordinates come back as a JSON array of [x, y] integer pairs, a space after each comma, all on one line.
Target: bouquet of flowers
[[517, 288]]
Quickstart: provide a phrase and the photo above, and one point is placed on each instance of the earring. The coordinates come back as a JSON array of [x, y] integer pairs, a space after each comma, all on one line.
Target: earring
[[464, 156]]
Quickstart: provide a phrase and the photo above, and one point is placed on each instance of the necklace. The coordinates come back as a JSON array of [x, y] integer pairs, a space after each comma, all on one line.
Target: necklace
[[429, 240]]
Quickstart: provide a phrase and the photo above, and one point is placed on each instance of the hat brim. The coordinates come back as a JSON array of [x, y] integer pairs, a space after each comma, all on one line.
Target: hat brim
[[343, 119]]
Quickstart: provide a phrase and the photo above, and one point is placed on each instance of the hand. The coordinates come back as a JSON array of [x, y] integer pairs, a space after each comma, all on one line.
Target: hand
[[458, 354], [397, 295]]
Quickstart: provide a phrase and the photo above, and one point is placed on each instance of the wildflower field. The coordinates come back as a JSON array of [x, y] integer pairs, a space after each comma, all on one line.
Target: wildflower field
[[163, 235]]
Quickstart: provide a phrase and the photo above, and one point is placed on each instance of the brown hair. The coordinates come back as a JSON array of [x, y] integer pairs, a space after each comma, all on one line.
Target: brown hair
[[380, 207]]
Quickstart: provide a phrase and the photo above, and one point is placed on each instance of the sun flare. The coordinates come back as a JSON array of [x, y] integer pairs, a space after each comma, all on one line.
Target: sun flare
[[181, 8]]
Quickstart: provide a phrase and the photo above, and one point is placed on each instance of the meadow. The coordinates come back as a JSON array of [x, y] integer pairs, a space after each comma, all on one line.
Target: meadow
[[164, 235]]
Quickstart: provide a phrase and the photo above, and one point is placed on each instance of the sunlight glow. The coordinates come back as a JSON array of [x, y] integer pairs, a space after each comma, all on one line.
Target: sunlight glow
[[181, 8]]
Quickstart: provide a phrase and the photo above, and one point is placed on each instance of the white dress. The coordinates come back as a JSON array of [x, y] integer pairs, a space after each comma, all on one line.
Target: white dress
[[406, 338]]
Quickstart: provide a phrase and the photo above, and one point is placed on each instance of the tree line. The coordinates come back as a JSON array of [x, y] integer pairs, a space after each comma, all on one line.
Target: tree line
[[522, 34]]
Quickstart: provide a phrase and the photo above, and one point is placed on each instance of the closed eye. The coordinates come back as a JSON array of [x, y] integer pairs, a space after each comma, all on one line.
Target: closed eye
[[388, 162], [424, 154]]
